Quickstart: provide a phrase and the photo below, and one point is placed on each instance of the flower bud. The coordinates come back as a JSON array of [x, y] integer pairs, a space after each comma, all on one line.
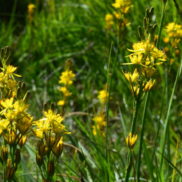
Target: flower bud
[[22, 140], [50, 168], [177, 52], [39, 159], [17, 156], [4, 153]]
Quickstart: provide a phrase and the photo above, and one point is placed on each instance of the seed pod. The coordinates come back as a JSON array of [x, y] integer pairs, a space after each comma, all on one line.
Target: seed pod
[[42, 149], [10, 170], [147, 13], [4, 153], [52, 107], [153, 29], [39, 159], [50, 168], [17, 156], [45, 107], [145, 23]]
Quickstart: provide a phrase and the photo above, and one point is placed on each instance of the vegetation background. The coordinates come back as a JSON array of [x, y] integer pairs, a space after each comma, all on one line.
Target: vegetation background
[[76, 29]]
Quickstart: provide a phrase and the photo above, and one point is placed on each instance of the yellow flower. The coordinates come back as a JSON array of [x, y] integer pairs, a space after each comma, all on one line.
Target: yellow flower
[[100, 123], [149, 72], [149, 51], [174, 30], [10, 71], [122, 5], [42, 126], [148, 85], [24, 124], [20, 108], [58, 128], [10, 137], [166, 40], [8, 103], [102, 96], [108, 17], [131, 140], [131, 77], [67, 77], [175, 43], [109, 21], [135, 90], [172, 61], [31, 8], [65, 91], [61, 103], [3, 79], [3, 125]]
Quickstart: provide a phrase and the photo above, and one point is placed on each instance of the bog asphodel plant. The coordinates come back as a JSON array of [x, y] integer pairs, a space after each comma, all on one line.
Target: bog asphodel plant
[[146, 57], [31, 8], [66, 80], [15, 122], [50, 131], [131, 140], [100, 120], [122, 7]]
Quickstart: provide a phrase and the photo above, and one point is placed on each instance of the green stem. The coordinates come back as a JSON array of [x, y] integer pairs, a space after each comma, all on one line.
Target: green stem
[[161, 23], [141, 137], [158, 125], [167, 117], [167, 103], [135, 113]]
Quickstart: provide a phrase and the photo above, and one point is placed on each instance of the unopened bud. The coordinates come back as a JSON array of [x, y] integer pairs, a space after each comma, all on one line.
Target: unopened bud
[[166, 49], [42, 149], [177, 52], [4, 153], [39, 159], [172, 61], [52, 107], [50, 168]]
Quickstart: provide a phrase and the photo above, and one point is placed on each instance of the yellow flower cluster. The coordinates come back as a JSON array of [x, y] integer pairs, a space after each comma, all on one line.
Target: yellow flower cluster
[[174, 34], [15, 122], [50, 131], [52, 122], [146, 54], [103, 94], [122, 7], [100, 124], [131, 140], [66, 79], [99, 121], [31, 8]]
